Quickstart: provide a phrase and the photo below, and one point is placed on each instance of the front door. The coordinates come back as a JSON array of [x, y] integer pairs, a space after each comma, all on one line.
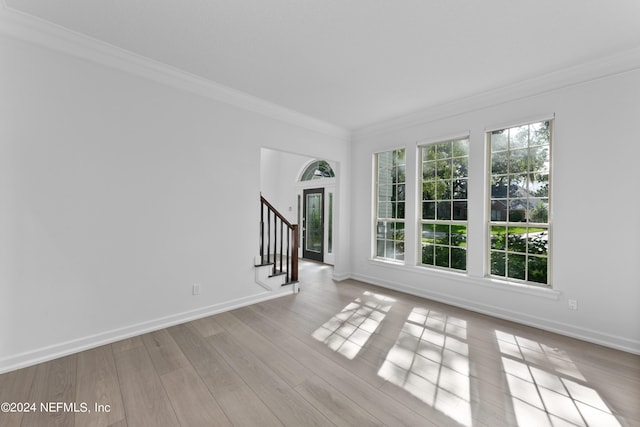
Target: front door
[[313, 224]]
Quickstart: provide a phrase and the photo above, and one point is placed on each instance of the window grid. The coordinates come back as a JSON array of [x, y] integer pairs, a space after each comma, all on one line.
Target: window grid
[[443, 223], [390, 204], [317, 170], [519, 203]]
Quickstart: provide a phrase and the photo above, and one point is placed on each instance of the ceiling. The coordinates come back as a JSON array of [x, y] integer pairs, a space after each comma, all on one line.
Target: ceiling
[[358, 62]]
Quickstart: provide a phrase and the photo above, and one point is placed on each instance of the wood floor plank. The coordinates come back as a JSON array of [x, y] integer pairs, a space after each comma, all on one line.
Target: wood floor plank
[[145, 400], [54, 383], [97, 383], [127, 344], [240, 404], [15, 387], [434, 403], [335, 405], [207, 326], [378, 332], [204, 357], [286, 366], [303, 328], [164, 352], [290, 407], [191, 400], [363, 393]]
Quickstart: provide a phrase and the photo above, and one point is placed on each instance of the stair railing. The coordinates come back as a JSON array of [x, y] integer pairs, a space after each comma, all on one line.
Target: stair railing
[[274, 248]]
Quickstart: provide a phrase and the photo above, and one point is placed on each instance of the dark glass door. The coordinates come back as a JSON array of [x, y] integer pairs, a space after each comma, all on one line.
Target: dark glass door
[[313, 224]]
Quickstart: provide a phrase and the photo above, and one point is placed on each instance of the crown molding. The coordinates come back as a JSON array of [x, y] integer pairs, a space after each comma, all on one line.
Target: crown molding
[[34, 30], [572, 76], [43, 33]]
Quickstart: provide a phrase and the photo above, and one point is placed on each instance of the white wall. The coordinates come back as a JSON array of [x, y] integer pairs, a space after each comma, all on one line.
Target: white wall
[[279, 180], [119, 193], [595, 210]]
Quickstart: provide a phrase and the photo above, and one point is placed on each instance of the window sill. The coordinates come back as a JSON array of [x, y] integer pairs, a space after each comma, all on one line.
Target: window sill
[[463, 277], [539, 291], [388, 262]]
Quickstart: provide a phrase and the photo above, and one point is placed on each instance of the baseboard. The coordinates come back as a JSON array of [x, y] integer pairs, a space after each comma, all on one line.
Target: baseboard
[[55, 351], [589, 335], [341, 277]]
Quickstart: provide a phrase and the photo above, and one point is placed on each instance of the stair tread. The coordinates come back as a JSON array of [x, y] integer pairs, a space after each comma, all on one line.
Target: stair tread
[[278, 273]]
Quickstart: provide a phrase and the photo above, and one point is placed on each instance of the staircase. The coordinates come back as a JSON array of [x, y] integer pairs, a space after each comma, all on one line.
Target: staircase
[[277, 264]]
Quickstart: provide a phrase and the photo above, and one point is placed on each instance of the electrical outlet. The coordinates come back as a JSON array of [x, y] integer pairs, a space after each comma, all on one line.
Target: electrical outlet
[[196, 289], [573, 304]]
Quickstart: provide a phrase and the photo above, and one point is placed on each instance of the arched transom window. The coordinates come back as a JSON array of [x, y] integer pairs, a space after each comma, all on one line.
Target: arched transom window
[[317, 170]]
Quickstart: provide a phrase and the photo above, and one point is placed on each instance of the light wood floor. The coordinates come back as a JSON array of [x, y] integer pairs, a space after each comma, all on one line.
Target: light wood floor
[[346, 354]]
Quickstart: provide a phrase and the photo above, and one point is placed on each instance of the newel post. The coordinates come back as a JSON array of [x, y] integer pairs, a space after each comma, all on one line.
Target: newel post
[[294, 253]]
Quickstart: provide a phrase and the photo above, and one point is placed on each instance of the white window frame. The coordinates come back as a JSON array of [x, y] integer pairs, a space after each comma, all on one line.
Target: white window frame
[[493, 220], [387, 220], [436, 222]]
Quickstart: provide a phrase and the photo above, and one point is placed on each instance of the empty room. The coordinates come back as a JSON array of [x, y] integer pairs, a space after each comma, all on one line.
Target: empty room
[[277, 212]]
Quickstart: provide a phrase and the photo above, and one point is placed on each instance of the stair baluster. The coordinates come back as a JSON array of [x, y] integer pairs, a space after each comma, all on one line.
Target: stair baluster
[[285, 262]]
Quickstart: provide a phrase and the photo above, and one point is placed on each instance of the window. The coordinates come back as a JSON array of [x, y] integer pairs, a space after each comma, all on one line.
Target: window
[[317, 170], [519, 202], [390, 204], [443, 222]]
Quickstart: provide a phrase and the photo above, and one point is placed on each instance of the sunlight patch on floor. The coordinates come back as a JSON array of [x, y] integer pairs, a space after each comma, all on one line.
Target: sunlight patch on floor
[[430, 360], [348, 331], [546, 387]]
